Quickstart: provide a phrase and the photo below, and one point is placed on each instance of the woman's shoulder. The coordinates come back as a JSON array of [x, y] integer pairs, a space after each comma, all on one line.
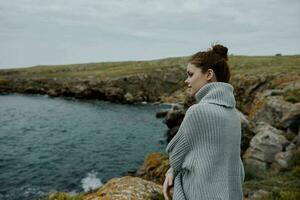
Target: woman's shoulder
[[196, 109]]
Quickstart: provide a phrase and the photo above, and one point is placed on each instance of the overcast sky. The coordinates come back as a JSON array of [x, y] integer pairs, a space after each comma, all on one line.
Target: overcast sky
[[34, 32]]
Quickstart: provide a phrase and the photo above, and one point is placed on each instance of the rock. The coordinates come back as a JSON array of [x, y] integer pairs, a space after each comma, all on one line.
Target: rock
[[173, 120], [270, 109], [114, 94], [53, 93], [281, 159], [246, 87], [247, 133], [174, 116], [154, 168], [125, 188], [267, 142], [298, 139], [172, 132], [291, 119], [162, 113], [257, 195], [128, 97]]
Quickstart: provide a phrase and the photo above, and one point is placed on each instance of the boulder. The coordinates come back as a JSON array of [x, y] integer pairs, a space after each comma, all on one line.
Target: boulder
[[258, 195], [125, 188], [174, 116], [162, 113], [291, 120], [246, 87], [129, 97], [267, 142], [269, 109], [114, 94], [282, 159], [247, 133]]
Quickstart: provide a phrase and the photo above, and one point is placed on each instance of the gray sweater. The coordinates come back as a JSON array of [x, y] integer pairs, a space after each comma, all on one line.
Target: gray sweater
[[205, 153]]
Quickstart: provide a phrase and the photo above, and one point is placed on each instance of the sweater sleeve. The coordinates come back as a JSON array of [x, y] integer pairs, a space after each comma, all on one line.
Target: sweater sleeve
[[179, 146]]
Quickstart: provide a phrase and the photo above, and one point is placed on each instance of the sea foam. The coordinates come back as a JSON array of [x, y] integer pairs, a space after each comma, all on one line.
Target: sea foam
[[91, 182]]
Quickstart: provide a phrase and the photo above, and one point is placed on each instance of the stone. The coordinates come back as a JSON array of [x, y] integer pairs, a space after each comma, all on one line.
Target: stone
[[267, 142], [129, 97], [154, 168], [247, 133], [114, 94], [162, 113], [125, 188], [270, 109], [281, 159], [259, 194], [174, 117], [291, 120]]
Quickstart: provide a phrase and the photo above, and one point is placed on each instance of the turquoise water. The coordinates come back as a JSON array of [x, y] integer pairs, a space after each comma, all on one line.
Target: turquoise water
[[58, 144]]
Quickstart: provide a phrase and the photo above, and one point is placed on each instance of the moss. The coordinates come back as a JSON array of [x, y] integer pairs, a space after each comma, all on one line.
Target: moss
[[157, 196], [295, 159], [252, 173], [290, 136], [292, 95], [3, 82], [273, 182], [282, 195], [290, 195], [62, 196], [296, 172]]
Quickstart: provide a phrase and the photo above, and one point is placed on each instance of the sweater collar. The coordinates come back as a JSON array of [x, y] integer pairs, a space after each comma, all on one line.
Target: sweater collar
[[219, 93]]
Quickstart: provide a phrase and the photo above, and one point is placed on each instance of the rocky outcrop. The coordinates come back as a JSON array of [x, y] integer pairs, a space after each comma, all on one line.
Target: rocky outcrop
[[291, 119], [282, 159], [247, 132], [125, 188], [267, 142], [271, 109], [173, 120], [154, 168], [150, 87]]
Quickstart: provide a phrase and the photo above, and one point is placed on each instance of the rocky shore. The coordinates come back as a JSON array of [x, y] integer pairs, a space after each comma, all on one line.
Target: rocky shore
[[269, 105]]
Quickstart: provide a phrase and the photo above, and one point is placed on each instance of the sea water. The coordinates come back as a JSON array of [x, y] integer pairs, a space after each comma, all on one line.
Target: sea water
[[63, 144]]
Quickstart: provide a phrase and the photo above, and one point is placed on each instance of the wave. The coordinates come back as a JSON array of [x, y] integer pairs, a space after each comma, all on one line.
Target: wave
[[91, 182]]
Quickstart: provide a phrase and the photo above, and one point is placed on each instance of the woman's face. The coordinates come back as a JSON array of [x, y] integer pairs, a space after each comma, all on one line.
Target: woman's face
[[196, 79]]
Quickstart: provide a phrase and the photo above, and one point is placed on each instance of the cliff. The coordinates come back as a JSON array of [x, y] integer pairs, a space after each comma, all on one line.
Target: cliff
[[267, 90]]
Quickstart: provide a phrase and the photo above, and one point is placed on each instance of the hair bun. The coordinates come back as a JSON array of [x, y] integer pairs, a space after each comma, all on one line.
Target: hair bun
[[221, 50]]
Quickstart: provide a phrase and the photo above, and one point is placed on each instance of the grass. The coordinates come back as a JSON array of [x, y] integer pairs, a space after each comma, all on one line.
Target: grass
[[265, 64], [157, 196], [62, 196], [251, 65], [283, 185], [292, 96]]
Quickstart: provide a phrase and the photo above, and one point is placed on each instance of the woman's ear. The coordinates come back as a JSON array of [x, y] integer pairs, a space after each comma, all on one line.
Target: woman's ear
[[209, 75]]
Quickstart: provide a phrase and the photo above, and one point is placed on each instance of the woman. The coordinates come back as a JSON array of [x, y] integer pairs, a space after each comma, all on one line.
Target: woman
[[204, 155]]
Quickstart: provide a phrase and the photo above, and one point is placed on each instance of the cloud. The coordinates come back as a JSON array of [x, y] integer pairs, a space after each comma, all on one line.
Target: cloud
[[66, 31]]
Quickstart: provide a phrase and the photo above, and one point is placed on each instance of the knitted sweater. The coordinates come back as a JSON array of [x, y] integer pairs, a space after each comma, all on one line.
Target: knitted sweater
[[205, 153]]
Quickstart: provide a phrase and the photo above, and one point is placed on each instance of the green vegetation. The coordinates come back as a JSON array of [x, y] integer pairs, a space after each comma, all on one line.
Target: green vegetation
[[284, 185], [99, 70], [292, 96], [282, 195], [157, 196], [251, 174], [295, 159], [239, 65], [265, 64], [62, 196]]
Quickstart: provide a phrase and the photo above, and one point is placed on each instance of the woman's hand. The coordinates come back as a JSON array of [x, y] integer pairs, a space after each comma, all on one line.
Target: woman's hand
[[167, 185]]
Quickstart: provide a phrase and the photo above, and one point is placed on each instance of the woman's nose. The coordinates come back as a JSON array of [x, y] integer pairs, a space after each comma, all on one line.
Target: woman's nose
[[186, 81]]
